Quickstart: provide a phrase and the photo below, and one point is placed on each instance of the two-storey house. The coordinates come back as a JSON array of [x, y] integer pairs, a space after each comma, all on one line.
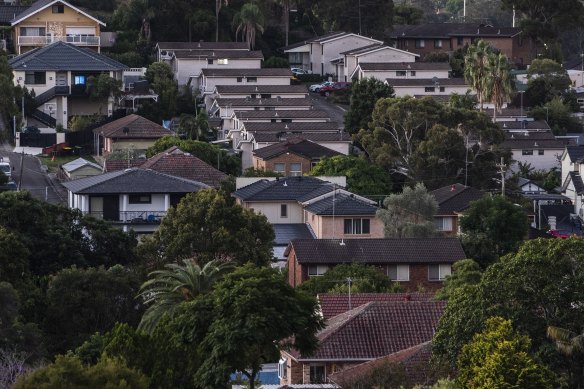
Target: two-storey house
[[388, 70], [452, 201], [351, 59]]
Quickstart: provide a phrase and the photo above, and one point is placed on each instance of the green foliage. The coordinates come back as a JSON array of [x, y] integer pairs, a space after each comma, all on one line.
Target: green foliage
[[362, 178], [103, 87], [206, 226], [79, 123], [409, 214], [546, 79], [253, 172], [501, 224], [407, 14], [366, 279], [67, 372], [314, 77], [465, 272], [476, 69], [466, 101], [558, 114], [132, 59], [7, 91], [249, 21], [498, 358], [194, 126], [276, 62], [364, 95], [161, 78]]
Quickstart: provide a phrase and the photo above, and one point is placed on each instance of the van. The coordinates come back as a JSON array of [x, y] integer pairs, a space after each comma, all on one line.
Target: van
[[5, 167]]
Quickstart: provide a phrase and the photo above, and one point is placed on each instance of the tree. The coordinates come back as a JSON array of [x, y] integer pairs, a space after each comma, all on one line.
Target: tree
[[501, 223], [409, 214], [193, 127], [166, 289], [103, 87], [465, 272], [161, 78], [364, 95], [362, 177], [249, 20], [476, 69], [67, 372], [558, 115], [218, 5], [498, 357], [499, 83], [546, 79], [206, 226], [285, 4]]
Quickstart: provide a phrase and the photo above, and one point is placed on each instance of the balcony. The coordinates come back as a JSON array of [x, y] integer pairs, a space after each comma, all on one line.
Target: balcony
[[130, 217], [80, 40]]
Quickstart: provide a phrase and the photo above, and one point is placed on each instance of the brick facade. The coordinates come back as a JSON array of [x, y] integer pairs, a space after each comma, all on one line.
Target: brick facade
[[287, 159], [327, 227]]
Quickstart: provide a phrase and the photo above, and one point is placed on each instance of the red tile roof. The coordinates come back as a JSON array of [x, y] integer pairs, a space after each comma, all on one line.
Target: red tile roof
[[334, 304], [132, 127]]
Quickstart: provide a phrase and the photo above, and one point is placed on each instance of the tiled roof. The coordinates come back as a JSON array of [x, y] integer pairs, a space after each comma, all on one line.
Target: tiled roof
[[364, 49], [485, 31], [428, 30], [506, 112], [261, 72], [282, 114], [295, 145], [315, 39], [112, 165], [426, 82], [204, 54], [292, 102], [203, 46], [342, 204], [273, 89], [176, 162], [293, 127], [64, 56], [286, 232], [381, 66], [532, 140], [376, 329], [42, 4], [132, 127], [273, 137], [577, 181], [79, 163], [9, 12], [576, 153], [455, 198], [134, 180], [415, 362], [332, 304], [523, 125], [378, 251], [284, 189]]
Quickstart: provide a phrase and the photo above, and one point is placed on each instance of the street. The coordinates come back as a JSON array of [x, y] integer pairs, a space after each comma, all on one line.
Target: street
[[336, 112]]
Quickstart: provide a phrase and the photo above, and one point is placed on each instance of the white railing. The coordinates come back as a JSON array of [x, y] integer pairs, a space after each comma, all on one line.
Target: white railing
[[47, 40]]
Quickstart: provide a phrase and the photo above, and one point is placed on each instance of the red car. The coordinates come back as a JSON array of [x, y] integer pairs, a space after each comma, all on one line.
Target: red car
[[563, 234], [337, 86]]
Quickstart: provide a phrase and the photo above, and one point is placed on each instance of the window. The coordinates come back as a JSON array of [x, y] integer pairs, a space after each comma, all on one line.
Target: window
[[429, 89], [33, 31], [140, 199], [459, 41], [209, 61], [35, 78], [79, 80], [317, 374], [266, 95], [317, 270], [239, 79], [437, 43], [252, 79], [59, 9], [357, 226], [283, 210], [398, 272], [400, 73], [442, 89], [527, 152], [223, 61], [539, 152], [413, 73], [295, 169], [420, 43], [294, 58], [282, 368], [443, 223], [439, 272]]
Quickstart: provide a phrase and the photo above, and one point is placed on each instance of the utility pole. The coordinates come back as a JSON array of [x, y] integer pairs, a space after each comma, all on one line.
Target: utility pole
[[349, 281], [502, 170], [21, 169]]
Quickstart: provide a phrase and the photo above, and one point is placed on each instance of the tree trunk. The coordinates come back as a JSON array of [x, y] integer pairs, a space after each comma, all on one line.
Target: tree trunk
[[217, 8]]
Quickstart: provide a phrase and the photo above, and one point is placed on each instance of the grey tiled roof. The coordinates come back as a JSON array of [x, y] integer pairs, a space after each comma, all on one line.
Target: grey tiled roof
[[134, 180], [273, 89], [287, 232], [273, 137], [9, 12], [381, 66], [522, 125], [283, 114], [204, 54], [79, 163], [533, 140], [203, 46], [343, 205], [64, 56], [363, 49], [428, 30], [378, 251], [485, 31], [455, 198], [577, 181], [292, 127], [291, 102], [284, 189], [315, 39], [295, 145], [425, 82], [262, 72], [576, 153]]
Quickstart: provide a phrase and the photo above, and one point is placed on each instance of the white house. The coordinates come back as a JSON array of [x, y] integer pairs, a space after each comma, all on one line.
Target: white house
[[571, 159], [256, 92], [210, 78], [165, 51], [375, 53], [427, 87], [280, 116], [403, 70], [540, 149]]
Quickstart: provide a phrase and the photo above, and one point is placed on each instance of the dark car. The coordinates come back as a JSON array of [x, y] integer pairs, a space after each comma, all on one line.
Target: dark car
[[31, 130], [336, 87]]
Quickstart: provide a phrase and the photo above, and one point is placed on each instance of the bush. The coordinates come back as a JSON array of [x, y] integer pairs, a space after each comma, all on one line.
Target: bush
[[310, 78], [275, 62]]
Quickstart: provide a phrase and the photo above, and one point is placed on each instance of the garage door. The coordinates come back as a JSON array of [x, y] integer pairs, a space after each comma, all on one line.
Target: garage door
[[81, 31]]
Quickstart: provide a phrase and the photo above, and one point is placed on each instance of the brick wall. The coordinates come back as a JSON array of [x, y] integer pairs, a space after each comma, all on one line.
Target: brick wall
[[296, 273], [287, 159]]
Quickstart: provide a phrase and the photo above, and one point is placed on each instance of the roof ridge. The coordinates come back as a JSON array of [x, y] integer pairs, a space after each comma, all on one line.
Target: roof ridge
[[347, 317]]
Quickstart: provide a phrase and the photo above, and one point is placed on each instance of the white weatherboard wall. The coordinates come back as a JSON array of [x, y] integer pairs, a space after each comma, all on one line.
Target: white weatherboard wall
[[323, 54], [547, 161], [384, 55], [185, 68], [208, 84], [272, 211]]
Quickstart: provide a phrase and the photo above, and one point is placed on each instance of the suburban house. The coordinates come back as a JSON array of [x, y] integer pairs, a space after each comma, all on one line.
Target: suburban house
[[209, 78], [527, 186], [338, 141], [318, 55], [413, 262], [49, 21], [284, 233], [428, 86], [165, 51], [368, 332], [452, 201], [522, 125], [572, 183], [375, 53], [133, 198], [293, 157], [508, 114], [80, 168], [329, 210], [540, 149], [59, 74], [256, 92], [415, 70], [571, 159], [280, 116], [132, 132]]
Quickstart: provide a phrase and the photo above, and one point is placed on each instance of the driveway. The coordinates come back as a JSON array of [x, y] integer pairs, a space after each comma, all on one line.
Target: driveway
[[336, 112]]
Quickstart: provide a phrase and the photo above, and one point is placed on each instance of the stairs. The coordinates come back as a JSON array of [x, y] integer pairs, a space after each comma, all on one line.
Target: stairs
[[51, 93], [44, 118]]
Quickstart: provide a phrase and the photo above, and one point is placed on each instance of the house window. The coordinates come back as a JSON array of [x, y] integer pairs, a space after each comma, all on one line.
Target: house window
[[279, 167], [295, 169], [398, 272], [295, 58], [223, 61], [252, 79], [35, 78], [283, 210], [79, 80], [140, 199], [439, 272], [539, 152], [527, 152], [33, 31], [317, 270], [239, 79], [459, 41], [413, 73], [265, 96], [437, 43], [317, 374], [282, 369], [420, 43], [442, 89], [443, 223], [429, 89], [58, 9], [209, 61], [357, 226], [400, 73]]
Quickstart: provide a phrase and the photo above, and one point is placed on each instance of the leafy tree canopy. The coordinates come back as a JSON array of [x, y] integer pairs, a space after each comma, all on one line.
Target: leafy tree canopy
[[465, 272], [364, 95]]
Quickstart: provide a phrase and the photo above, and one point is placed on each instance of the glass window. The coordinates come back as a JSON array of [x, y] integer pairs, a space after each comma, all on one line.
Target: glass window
[[295, 169], [239, 79], [317, 374], [442, 89], [58, 9], [413, 73], [33, 31], [398, 272], [283, 210], [223, 61], [365, 226], [280, 167], [140, 199], [459, 41], [527, 152], [400, 73], [540, 152], [439, 272], [265, 95], [317, 270], [79, 80], [443, 223], [357, 226], [252, 79], [35, 78], [209, 61], [429, 89], [437, 43], [420, 43], [282, 368]]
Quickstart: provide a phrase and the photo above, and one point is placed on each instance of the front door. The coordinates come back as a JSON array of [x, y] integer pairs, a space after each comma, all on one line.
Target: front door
[[61, 79], [111, 208]]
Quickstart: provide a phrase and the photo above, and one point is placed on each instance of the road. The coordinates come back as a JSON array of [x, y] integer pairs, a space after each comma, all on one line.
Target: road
[[336, 112]]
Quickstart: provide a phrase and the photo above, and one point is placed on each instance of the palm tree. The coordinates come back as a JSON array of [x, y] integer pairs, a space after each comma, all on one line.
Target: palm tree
[[567, 342], [286, 8], [499, 83], [166, 289], [475, 68], [218, 4], [248, 21]]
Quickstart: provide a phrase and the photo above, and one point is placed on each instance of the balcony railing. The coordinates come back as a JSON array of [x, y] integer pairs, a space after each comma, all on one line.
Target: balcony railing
[[131, 217], [81, 40]]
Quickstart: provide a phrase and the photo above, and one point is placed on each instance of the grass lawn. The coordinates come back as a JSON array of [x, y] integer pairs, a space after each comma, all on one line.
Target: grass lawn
[[53, 166]]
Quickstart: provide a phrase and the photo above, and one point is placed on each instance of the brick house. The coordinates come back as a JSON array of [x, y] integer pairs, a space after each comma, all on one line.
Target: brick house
[[368, 332], [452, 201], [293, 157], [415, 263]]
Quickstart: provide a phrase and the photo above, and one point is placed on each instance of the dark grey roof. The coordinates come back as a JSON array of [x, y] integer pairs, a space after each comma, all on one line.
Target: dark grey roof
[[455, 198], [248, 89], [485, 31], [522, 124], [292, 127], [282, 114], [284, 189], [576, 153], [426, 82], [364, 49], [344, 205], [577, 180], [533, 140], [261, 72], [203, 46], [428, 30], [291, 102], [287, 232], [41, 4], [377, 251], [205, 54], [383, 66], [64, 56], [134, 180], [9, 12], [295, 145], [315, 39], [273, 137]]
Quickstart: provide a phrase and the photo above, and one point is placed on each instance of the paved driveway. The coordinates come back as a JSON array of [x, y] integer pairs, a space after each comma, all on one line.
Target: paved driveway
[[336, 112]]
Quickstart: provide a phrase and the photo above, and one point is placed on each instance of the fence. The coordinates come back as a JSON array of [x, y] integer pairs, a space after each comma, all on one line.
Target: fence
[[37, 140]]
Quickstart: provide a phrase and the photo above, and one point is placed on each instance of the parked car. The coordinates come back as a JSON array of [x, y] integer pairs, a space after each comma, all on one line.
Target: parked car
[[335, 87], [31, 130], [563, 234], [297, 71], [317, 87]]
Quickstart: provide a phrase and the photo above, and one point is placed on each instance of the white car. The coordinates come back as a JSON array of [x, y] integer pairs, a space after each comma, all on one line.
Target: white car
[[316, 87], [297, 71]]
